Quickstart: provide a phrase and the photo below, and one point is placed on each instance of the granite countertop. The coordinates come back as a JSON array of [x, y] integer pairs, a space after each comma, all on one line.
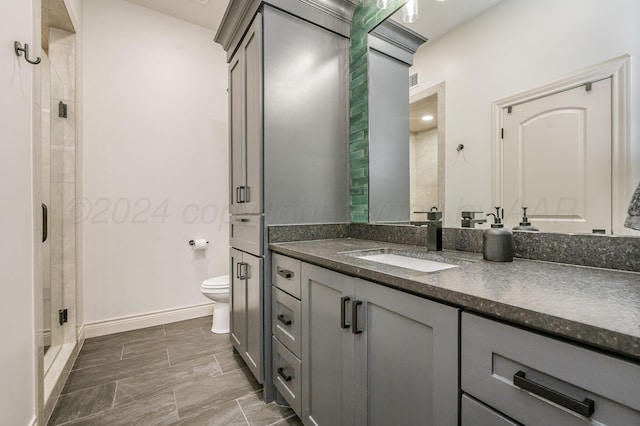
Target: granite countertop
[[597, 307]]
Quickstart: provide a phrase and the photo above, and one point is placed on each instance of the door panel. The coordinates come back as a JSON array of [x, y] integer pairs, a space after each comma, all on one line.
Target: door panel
[[557, 160], [406, 359], [237, 160], [254, 344], [238, 303], [327, 349], [253, 122]]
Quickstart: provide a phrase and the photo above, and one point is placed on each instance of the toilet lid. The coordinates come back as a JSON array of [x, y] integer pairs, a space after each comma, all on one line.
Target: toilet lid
[[216, 282]]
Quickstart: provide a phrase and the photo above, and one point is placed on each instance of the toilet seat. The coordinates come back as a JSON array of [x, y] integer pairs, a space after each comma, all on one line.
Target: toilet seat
[[216, 282]]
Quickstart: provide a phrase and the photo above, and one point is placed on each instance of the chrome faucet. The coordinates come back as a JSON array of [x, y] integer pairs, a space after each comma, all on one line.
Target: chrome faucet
[[469, 220]]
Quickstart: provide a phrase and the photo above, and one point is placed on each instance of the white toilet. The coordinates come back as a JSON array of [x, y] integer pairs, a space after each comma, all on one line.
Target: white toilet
[[217, 289]]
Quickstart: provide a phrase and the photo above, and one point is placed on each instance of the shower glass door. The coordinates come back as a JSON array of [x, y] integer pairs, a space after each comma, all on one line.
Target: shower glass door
[[55, 170]]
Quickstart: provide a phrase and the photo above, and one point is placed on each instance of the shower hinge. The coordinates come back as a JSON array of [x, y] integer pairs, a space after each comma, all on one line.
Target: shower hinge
[[62, 316], [62, 110]]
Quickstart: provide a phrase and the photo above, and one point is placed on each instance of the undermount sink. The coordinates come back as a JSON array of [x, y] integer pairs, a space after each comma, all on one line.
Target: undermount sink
[[414, 261]]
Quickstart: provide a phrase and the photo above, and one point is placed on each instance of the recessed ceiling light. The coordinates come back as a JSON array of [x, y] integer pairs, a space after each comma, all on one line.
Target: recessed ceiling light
[[205, 2], [427, 118]]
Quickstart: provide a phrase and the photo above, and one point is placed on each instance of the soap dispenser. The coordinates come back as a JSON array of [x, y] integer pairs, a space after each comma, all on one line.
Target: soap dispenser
[[497, 242], [525, 225]]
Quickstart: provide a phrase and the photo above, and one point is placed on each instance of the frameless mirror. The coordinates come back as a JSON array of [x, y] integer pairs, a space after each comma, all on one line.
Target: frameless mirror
[[485, 63]]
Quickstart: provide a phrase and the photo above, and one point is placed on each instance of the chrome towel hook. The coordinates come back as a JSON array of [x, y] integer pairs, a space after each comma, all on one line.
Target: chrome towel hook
[[19, 49]]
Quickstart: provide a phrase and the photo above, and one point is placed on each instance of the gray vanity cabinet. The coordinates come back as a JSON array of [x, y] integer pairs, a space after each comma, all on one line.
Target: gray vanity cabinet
[[373, 355], [246, 310]]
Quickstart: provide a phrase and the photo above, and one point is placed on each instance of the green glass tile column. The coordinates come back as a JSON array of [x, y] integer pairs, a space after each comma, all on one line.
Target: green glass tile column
[[365, 18]]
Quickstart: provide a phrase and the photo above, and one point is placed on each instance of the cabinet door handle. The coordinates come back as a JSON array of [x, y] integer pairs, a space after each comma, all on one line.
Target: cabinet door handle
[[242, 270], [343, 312], [45, 222], [245, 195], [238, 194], [284, 320], [354, 317], [585, 407], [284, 273], [286, 377]]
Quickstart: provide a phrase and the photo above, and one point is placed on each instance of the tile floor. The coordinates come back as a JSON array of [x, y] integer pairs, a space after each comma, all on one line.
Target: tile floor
[[172, 374]]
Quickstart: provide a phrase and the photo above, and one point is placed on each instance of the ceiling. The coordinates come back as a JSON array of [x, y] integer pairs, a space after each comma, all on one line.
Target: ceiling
[[436, 18], [206, 13]]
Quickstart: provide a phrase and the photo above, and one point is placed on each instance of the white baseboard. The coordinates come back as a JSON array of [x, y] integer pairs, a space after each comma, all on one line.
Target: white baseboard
[[150, 319], [81, 334]]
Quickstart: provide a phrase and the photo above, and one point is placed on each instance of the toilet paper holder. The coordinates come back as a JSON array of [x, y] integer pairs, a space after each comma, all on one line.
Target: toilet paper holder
[[193, 243]]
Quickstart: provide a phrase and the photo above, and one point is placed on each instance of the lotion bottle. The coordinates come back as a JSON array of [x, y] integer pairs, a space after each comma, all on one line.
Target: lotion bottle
[[497, 242]]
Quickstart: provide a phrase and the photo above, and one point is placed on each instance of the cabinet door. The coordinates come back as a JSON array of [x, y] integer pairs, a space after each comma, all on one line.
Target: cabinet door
[[253, 348], [406, 359], [245, 129], [327, 347], [252, 57], [236, 136], [238, 302]]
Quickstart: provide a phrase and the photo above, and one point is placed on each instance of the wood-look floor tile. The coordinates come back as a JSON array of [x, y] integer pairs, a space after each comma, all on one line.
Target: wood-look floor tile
[[225, 414], [230, 361], [186, 352], [158, 410], [175, 378], [260, 414], [141, 334], [83, 403], [91, 358], [289, 421], [208, 394], [187, 337], [180, 326], [112, 371]]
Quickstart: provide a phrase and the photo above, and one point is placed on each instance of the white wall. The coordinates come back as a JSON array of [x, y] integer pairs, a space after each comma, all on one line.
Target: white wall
[[424, 172], [516, 46], [18, 357], [154, 141]]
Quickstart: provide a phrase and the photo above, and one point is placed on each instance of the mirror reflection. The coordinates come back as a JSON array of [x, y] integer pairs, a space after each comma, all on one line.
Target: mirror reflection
[[487, 57]]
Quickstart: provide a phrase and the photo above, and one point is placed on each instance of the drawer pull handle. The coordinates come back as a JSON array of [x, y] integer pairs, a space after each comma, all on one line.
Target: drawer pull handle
[[286, 377], [284, 320], [284, 273], [354, 317], [585, 407], [343, 312], [243, 220]]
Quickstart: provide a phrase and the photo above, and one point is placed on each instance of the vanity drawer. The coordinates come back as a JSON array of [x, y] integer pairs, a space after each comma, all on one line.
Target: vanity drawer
[[474, 413], [246, 233], [285, 273], [286, 320], [538, 380], [286, 375]]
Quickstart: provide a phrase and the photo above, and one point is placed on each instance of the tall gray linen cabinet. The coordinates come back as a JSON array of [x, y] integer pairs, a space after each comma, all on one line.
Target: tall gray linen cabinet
[[289, 150]]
